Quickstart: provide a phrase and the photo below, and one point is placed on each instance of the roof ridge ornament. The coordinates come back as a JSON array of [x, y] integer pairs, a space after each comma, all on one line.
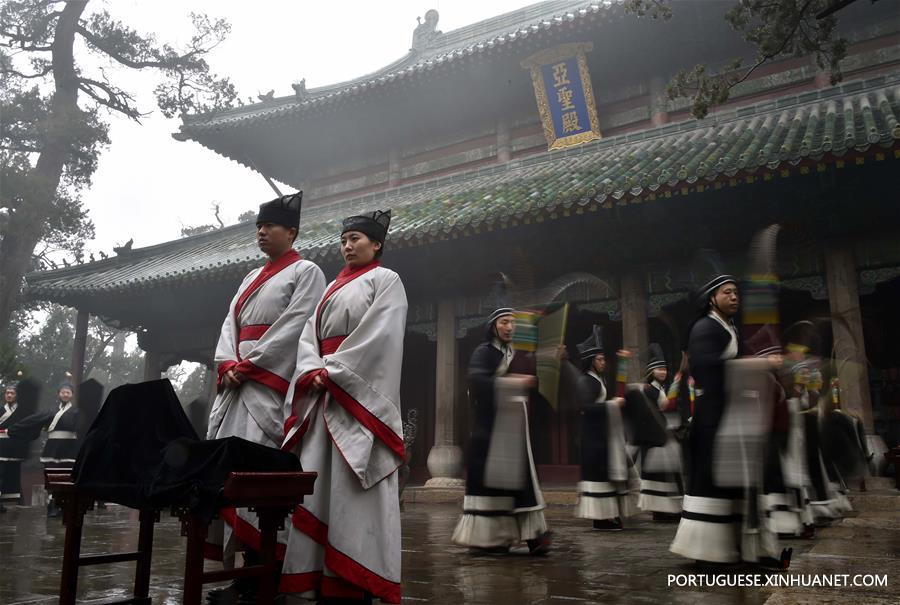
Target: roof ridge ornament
[[425, 32], [300, 92]]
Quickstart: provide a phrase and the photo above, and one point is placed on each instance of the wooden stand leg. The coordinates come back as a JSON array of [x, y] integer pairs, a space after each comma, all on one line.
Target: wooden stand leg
[[73, 519], [268, 529], [193, 566], [145, 548]]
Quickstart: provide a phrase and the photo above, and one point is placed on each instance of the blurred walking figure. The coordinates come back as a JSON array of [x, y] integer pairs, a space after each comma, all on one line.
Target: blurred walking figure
[[605, 463], [782, 499], [503, 504], [709, 527], [661, 488]]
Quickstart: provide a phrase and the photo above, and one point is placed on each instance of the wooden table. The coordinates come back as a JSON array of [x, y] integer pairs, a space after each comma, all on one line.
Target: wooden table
[[271, 495]]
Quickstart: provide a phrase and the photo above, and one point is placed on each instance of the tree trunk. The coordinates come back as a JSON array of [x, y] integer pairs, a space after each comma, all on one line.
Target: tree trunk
[[26, 224]]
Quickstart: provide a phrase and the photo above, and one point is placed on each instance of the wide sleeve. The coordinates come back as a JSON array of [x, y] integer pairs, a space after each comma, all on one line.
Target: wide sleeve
[[363, 377], [272, 360], [30, 427], [226, 356], [300, 397]]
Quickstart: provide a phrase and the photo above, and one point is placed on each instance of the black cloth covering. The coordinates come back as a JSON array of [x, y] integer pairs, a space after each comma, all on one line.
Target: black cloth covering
[[142, 452]]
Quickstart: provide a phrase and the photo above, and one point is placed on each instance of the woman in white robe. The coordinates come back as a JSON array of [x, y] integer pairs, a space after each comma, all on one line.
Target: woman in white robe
[[344, 422], [257, 349]]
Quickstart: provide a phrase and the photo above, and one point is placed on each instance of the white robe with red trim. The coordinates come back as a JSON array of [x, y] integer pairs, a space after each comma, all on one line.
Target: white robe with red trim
[[261, 334], [259, 339], [345, 538]]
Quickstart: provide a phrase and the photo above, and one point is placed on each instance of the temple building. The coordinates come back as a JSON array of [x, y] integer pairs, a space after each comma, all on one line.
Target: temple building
[[454, 139]]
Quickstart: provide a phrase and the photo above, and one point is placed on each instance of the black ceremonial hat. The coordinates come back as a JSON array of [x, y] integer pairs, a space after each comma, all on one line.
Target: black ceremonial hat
[[593, 345], [374, 225], [656, 357], [284, 210]]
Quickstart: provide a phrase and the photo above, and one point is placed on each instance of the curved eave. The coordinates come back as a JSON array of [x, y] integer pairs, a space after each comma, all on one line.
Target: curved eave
[[289, 106], [773, 139]]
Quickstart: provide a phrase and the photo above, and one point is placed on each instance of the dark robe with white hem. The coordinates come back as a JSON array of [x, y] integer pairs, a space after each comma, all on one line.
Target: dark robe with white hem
[[709, 529], [503, 504], [12, 453], [605, 463], [661, 488]]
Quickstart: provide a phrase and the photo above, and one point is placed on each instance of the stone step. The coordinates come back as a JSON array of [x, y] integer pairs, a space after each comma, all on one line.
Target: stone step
[[563, 496], [881, 500], [881, 483]]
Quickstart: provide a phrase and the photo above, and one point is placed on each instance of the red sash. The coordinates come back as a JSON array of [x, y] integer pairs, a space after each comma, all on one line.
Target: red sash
[[330, 345], [254, 332]]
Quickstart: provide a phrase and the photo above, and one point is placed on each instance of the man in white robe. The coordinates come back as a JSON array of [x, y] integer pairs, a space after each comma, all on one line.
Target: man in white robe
[[257, 348], [344, 423]]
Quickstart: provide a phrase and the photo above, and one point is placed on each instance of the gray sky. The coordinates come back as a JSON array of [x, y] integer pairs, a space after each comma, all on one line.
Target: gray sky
[[148, 185]]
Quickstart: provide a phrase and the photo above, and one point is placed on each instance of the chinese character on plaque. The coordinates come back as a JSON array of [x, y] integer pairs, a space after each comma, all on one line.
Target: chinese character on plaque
[[565, 99]]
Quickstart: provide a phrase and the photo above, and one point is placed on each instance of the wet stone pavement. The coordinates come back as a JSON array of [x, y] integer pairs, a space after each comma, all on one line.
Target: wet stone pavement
[[585, 566]]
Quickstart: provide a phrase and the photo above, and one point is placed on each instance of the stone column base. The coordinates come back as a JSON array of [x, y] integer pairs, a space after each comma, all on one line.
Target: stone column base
[[877, 447], [445, 465]]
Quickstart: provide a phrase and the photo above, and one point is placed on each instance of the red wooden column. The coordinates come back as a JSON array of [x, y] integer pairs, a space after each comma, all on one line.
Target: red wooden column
[[634, 324], [79, 346], [846, 326]]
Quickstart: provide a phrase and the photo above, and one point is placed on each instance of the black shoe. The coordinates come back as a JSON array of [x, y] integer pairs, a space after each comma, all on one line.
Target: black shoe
[[780, 564], [2, 509], [235, 592], [227, 594], [608, 524], [494, 550], [541, 544]]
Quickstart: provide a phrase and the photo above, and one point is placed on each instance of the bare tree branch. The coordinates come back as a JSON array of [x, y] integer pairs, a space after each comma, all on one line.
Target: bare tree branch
[[115, 99], [9, 70]]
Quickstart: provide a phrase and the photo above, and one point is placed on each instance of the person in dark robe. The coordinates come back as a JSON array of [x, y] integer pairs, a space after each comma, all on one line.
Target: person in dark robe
[[844, 448], [709, 529], [781, 500], [61, 424], [661, 488], [503, 504], [605, 463], [12, 451]]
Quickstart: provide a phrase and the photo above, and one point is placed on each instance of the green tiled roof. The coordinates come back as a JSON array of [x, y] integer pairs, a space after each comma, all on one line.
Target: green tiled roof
[[745, 143]]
